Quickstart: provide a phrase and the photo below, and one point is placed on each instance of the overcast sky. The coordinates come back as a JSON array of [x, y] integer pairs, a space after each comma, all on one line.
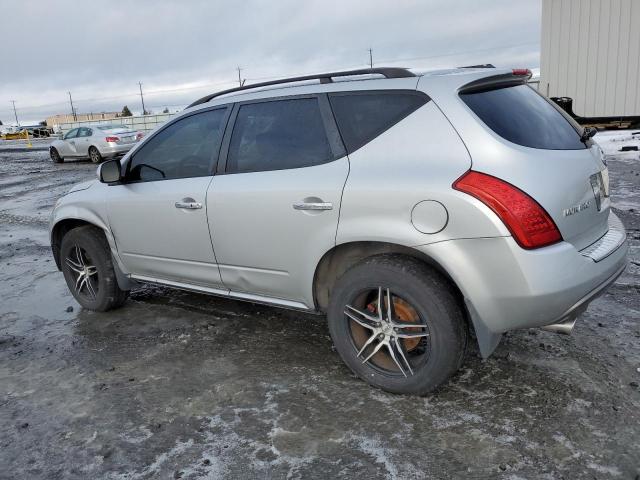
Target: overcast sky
[[182, 50]]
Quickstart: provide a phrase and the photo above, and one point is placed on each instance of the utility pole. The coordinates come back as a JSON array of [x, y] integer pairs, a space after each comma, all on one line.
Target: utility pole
[[73, 110], [240, 82], [15, 113], [144, 110], [370, 58]]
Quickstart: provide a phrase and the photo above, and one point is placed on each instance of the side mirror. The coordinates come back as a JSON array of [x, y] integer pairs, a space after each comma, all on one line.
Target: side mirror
[[109, 171]]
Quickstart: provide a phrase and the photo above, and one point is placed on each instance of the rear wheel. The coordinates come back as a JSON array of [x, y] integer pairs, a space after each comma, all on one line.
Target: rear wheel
[[94, 155], [396, 323], [55, 156], [88, 269]]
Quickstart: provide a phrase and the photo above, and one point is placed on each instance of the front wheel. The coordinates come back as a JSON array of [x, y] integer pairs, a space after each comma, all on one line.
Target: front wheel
[[396, 323], [88, 269], [94, 155]]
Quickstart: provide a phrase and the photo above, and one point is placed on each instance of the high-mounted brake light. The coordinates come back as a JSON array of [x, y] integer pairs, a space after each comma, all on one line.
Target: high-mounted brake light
[[530, 225], [521, 71], [111, 139]]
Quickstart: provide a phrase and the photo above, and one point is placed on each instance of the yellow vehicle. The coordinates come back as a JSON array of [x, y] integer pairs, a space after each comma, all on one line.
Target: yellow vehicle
[[22, 134]]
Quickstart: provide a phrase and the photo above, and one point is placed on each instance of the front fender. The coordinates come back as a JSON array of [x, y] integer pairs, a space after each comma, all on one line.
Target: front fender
[[84, 207]]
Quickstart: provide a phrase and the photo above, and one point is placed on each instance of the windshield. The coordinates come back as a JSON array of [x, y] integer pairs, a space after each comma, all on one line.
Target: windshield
[[521, 115]]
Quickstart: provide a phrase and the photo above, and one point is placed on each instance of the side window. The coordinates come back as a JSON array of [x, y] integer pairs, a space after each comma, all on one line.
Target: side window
[[278, 135], [186, 148], [84, 132], [70, 134], [361, 117]]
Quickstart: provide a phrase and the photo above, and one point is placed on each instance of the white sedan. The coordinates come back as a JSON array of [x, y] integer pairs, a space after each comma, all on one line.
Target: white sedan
[[95, 143]]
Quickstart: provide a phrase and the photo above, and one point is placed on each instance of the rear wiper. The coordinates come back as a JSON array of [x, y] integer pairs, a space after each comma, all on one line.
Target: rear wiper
[[587, 133]]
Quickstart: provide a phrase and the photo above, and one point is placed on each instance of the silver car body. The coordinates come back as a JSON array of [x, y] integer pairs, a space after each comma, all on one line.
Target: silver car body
[[250, 241], [76, 142]]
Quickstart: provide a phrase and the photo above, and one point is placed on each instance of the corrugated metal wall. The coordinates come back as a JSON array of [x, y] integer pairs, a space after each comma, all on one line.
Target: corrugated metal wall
[[591, 53]]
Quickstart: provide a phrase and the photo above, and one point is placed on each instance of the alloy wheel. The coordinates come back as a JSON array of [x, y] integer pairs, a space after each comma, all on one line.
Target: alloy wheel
[[84, 273], [387, 332], [94, 155]]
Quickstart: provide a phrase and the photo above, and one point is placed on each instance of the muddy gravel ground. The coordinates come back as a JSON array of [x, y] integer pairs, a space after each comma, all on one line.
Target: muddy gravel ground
[[180, 385]]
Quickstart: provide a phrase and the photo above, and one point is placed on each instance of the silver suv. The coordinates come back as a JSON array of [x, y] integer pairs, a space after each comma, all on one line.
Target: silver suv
[[414, 210]]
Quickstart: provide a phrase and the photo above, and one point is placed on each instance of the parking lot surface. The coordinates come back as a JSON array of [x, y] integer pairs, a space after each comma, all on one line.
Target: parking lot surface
[[181, 385]]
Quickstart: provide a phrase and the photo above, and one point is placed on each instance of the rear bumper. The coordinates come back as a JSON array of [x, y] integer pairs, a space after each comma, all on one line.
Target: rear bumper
[[113, 150], [506, 287], [581, 305]]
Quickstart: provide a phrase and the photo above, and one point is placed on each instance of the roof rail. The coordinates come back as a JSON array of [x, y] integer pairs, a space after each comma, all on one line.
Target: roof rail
[[387, 72]]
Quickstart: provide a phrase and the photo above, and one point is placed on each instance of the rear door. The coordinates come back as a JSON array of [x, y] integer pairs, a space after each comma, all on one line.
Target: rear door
[[273, 209], [158, 215], [544, 156]]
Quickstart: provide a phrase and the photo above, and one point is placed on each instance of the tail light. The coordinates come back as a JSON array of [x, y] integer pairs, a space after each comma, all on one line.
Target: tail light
[[139, 136], [530, 225], [112, 139], [521, 71]]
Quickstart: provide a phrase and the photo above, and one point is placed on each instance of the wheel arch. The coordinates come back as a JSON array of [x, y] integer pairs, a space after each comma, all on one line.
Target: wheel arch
[[61, 228], [342, 257]]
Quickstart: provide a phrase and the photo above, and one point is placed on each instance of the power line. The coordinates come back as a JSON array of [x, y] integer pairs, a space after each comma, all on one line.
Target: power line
[[455, 54], [242, 81]]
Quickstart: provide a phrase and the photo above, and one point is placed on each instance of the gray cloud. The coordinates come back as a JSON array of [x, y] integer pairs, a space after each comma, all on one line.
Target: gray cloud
[[181, 50]]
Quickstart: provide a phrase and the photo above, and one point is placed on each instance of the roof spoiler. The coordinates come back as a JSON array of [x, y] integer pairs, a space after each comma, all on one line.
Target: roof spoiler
[[518, 76], [387, 72]]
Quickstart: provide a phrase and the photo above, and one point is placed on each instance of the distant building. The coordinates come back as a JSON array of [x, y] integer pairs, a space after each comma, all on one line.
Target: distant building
[[590, 52], [80, 117]]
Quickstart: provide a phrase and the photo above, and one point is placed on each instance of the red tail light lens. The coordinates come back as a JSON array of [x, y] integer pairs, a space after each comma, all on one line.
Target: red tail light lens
[[528, 222], [112, 139]]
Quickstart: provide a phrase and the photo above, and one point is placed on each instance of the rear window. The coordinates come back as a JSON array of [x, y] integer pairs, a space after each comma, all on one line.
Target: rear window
[[361, 117], [522, 116], [112, 127]]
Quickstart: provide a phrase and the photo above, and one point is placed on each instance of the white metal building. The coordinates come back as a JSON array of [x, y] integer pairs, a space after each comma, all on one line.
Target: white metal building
[[591, 53]]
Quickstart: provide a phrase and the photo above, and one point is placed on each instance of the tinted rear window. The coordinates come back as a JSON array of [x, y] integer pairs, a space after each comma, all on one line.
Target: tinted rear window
[[522, 116], [361, 117], [278, 135]]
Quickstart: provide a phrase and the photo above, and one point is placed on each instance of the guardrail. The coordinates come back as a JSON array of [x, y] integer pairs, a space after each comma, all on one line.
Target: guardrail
[[144, 123]]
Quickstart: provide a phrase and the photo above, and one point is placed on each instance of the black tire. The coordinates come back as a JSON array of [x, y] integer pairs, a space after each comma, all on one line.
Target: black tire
[[94, 155], [94, 253], [441, 348], [55, 156]]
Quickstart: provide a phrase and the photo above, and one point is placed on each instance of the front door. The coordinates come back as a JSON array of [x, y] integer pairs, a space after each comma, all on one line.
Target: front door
[[69, 144], [274, 212], [159, 215]]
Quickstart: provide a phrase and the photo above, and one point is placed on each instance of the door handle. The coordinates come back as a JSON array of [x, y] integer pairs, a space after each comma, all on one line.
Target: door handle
[[189, 205], [313, 206]]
